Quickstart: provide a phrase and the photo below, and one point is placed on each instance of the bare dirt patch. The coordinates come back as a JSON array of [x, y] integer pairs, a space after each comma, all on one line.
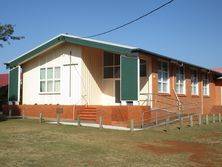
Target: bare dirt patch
[[199, 153], [210, 135]]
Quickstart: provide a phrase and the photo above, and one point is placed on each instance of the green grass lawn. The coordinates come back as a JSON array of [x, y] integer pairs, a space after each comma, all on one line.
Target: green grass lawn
[[28, 143]]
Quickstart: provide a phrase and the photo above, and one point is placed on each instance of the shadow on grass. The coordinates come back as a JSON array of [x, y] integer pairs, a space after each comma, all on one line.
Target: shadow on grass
[[2, 118]]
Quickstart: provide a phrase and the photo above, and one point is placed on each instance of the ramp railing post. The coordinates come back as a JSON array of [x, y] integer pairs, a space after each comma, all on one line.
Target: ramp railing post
[[207, 121], [100, 122], [181, 121], [23, 114], [199, 119], [191, 120], [214, 120], [156, 119], [40, 117], [58, 118], [78, 121], [131, 125], [167, 121], [10, 113], [142, 120]]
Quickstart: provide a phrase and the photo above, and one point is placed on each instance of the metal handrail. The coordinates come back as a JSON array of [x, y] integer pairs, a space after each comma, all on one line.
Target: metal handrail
[[180, 107], [161, 102], [158, 94]]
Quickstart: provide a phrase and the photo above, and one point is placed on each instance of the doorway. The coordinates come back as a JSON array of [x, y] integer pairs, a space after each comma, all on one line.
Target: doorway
[[117, 91]]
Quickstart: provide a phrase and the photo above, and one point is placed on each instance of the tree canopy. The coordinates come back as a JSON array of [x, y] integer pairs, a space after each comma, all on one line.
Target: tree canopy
[[6, 34]]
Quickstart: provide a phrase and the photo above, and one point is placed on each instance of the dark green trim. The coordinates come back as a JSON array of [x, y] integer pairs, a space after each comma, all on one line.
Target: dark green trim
[[32, 53], [94, 44], [107, 47], [138, 50], [63, 38], [129, 78], [13, 88]]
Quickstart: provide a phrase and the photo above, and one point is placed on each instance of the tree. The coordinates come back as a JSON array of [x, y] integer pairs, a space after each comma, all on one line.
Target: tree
[[6, 34]]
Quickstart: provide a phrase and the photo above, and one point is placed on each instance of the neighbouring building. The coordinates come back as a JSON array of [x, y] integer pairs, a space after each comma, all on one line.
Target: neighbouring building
[[73, 71], [3, 80], [3, 89]]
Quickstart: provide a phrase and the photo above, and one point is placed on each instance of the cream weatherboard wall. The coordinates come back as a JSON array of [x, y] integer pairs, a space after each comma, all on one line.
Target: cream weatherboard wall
[[145, 82], [91, 82], [56, 57], [95, 89], [87, 83]]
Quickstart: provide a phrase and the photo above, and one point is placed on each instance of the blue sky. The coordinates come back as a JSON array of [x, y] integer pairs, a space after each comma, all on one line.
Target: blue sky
[[189, 30]]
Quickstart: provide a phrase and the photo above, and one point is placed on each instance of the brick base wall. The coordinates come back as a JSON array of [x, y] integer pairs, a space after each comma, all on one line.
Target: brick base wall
[[110, 114]]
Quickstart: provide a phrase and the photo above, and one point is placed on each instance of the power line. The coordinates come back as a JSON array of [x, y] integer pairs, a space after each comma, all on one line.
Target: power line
[[130, 22]]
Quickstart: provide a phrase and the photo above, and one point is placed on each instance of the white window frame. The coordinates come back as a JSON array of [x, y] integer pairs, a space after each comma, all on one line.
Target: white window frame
[[161, 80], [46, 80], [180, 82], [206, 88], [194, 82]]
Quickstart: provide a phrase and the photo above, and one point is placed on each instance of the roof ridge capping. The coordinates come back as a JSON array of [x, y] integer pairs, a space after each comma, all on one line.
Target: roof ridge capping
[[100, 41]]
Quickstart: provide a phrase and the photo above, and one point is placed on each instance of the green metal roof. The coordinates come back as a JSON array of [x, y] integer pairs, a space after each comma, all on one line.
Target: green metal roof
[[122, 49], [112, 47]]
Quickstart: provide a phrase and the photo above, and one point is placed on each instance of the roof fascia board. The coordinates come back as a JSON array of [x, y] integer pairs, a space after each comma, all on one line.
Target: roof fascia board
[[34, 52], [98, 45], [71, 39], [169, 58]]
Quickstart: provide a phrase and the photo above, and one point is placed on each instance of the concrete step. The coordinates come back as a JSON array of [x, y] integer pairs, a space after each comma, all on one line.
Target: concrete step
[[90, 116], [87, 112], [90, 108], [88, 119]]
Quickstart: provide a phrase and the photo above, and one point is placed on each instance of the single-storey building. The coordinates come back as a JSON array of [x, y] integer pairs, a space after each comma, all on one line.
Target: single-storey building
[[3, 89], [73, 71]]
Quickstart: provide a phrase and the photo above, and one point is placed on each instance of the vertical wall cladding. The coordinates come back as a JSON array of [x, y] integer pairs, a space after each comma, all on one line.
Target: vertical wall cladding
[[30, 81], [91, 85], [57, 56], [145, 81], [193, 103]]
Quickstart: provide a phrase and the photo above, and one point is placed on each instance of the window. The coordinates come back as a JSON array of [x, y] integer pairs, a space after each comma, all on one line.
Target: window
[[57, 79], [163, 77], [194, 82], [50, 80], [142, 68], [111, 65], [205, 85], [180, 80]]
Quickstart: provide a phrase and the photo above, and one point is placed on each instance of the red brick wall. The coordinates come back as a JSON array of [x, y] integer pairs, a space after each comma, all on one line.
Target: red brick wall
[[218, 85], [208, 101], [48, 111], [122, 114], [109, 113]]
